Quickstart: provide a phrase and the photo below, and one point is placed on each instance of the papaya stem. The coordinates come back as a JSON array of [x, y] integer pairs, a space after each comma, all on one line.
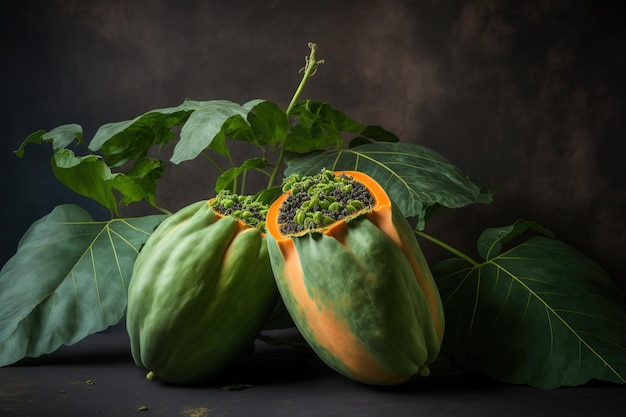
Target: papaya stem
[[309, 69], [447, 247]]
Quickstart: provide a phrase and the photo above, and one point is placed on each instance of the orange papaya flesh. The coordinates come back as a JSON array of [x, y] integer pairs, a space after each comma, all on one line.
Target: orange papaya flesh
[[360, 291]]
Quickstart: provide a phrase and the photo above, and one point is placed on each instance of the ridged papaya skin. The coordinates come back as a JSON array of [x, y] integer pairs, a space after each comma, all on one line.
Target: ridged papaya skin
[[361, 292], [201, 290]]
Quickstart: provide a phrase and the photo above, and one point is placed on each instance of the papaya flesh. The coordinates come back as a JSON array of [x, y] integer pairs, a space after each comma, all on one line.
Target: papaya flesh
[[358, 288], [202, 289]]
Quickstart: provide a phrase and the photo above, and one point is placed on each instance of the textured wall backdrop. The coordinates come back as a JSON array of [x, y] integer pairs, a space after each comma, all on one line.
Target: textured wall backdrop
[[527, 98]]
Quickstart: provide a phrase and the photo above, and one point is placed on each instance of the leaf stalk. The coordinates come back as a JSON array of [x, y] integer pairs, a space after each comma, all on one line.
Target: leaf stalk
[[447, 247], [310, 67]]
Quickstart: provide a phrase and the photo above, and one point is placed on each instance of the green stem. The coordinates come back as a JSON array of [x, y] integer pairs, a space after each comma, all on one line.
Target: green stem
[[264, 172], [163, 210], [243, 183], [309, 69], [213, 161], [447, 247], [279, 162]]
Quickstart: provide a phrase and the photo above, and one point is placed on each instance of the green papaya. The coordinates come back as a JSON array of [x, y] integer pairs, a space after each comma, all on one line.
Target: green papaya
[[201, 290], [353, 277]]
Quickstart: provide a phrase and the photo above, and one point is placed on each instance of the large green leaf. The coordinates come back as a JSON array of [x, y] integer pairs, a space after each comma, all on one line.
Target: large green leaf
[[373, 134], [91, 177], [60, 137], [86, 175], [269, 124], [139, 183], [128, 140], [539, 313], [319, 126], [204, 128], [68, 279], [415, 177]]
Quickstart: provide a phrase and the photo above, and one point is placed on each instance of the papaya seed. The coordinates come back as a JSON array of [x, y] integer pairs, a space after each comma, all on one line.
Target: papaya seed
[[299, 217], [356, 204], [334, 206]]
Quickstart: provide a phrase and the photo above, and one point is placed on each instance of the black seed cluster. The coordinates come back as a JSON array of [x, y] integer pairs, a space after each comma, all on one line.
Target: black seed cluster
[[346, 193]]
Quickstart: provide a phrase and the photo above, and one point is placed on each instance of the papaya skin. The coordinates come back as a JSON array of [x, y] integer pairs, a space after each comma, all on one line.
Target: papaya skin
[[201, 290], [360, 291]]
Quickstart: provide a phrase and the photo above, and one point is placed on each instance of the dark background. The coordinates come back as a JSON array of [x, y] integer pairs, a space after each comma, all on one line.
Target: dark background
[[527, 97]]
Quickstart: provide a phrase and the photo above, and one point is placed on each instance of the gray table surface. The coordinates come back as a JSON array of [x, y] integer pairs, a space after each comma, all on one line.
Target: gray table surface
[[97, 377]]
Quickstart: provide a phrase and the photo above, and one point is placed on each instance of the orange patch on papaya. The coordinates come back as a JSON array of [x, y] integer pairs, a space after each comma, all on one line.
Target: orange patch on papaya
[[382, 216], [329, 329]]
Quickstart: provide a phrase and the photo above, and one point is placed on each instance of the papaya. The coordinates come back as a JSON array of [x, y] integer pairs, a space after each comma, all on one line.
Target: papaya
[[353, 277], [201, 290]]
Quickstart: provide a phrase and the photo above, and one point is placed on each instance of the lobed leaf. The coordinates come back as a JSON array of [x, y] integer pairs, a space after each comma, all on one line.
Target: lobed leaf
[[373, 134], [91, 177], [268, 195], [319, 126], [230, 175], [540, 313], [205, 125], [60, 137], [86, 175], [491, 240], [269, 124], [68, 279], [128, 140], [415, 177], [139, 183]]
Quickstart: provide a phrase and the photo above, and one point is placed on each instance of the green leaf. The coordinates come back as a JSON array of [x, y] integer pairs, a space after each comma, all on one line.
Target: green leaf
[[86, 175], [235, 127], [205, 125], [68, 279], [269, 123], [89, 176], [268, 195], [128, 140], [540, 313], [373, 134], [60, 137], [139, 183], [416, 178], [379, 134], [320, 126], [228, 176], [266, 124], [491, 240]]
